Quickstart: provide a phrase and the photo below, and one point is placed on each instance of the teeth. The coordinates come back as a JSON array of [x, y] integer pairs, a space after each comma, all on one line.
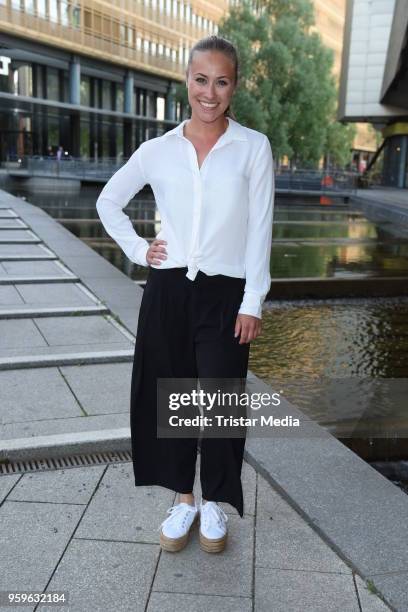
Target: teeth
[[207, 105]]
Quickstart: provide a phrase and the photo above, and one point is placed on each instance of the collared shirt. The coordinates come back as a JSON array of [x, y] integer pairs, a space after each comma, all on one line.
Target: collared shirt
[[216, 218]]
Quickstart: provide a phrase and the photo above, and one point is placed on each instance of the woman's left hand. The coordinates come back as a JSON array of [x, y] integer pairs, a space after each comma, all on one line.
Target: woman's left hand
[[248, 326]]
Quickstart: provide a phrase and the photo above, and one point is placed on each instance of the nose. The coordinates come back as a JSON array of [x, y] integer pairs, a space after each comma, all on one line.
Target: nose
[[210, 92]]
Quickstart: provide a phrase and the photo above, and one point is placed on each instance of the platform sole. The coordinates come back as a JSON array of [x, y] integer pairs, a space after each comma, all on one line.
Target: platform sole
[[175, 544], [212, 545]]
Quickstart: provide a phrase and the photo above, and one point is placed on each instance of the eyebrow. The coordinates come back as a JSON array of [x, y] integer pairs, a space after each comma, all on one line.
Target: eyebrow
[[224, 76]]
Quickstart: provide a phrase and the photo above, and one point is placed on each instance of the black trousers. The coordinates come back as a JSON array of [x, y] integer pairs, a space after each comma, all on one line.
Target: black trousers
[[186, 330]]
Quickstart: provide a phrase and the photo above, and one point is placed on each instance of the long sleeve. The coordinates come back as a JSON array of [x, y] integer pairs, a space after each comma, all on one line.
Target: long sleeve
[[115, 195], [259, 232]]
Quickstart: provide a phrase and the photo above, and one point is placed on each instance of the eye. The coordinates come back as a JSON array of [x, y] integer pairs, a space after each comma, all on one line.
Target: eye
[[200, 79], [223, 82]]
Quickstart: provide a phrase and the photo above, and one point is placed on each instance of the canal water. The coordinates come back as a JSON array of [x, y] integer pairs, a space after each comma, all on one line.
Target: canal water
[[359, 343]]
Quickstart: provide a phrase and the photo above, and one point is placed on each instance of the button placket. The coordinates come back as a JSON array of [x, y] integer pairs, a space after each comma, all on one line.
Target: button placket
[[192, 265], [198, 196]]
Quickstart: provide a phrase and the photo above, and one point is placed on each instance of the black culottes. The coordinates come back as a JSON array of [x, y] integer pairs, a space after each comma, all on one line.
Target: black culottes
[[186, 330]]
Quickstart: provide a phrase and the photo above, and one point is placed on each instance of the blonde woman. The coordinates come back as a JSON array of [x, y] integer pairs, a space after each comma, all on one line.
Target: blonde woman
[[208, 275]]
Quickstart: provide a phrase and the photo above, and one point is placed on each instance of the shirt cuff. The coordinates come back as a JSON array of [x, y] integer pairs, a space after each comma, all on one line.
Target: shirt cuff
[[140, 254], [251, 305]]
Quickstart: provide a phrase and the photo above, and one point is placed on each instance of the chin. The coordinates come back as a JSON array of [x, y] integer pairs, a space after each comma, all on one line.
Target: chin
[[210, 116]]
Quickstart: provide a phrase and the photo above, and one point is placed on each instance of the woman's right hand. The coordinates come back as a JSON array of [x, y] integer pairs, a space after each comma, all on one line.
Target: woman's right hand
[[155, 253]]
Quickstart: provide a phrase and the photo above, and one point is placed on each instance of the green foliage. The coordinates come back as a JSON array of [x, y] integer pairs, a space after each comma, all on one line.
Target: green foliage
[[339, 141]]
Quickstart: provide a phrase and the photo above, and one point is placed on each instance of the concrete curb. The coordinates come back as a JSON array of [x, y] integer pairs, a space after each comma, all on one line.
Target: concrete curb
[[47, 447]]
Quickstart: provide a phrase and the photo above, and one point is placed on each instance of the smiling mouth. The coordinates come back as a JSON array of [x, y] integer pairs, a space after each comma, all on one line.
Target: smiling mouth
[[208, 106]]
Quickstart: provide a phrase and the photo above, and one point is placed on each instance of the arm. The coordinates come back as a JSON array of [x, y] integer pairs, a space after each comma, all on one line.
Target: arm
[[259, 233], [115, 195]]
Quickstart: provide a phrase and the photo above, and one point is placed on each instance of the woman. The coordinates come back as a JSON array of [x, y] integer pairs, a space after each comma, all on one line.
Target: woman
[[213, 183]]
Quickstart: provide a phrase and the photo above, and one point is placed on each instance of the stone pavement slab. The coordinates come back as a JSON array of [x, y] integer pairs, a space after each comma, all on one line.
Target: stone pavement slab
[[52, 294], [90, 330], [105, 575], [22, 249], [34, 536], [18, 234], [42, 394], [298, 591], [195, 571], [33, 268], [121, 511], [169, 602], [20, 333], [10, 296], [286, 541], [70, 486], [63, 349], [101, 388], [369, 602], [68, 425]]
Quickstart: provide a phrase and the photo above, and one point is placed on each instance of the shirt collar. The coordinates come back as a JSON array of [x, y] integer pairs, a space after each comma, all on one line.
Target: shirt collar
[[234, 131]]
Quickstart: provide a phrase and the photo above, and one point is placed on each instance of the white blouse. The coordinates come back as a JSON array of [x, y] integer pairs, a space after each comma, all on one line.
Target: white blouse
[[217, 218]]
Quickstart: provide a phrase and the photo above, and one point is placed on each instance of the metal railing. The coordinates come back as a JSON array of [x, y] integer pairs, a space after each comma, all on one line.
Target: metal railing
[[68, 167], [316, 180], [103, 168]]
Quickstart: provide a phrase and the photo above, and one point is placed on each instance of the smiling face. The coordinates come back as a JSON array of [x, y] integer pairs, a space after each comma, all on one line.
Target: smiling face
[[211, 84]]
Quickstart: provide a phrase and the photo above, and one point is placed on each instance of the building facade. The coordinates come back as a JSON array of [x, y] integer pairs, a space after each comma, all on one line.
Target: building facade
[[93, 77], [374, 78]]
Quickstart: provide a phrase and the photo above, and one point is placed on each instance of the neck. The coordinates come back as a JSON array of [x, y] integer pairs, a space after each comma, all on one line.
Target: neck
[[206, 131]]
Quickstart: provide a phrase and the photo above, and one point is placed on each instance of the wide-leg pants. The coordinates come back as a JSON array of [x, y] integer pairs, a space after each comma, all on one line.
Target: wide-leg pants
[[186, 330]]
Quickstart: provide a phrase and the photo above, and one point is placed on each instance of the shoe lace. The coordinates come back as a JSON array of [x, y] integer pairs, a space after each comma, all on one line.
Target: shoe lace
[[213, 510], [175, 511]]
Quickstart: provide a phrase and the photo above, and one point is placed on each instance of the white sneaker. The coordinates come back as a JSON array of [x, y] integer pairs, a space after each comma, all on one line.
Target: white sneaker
[[213, 527], [174, 530]]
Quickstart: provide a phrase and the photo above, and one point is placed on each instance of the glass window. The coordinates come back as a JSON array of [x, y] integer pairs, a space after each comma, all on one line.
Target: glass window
[[85, 91], [16, 77], [29, 7], [53, 131], [65, 92], [119, 97], [119, 141], [105, 140], [65, 9], [84, 146], [53, 9], [122, 33], [131, 36], [76, 16], [161, 102], [41, 9], [106, 95], [52, 84]]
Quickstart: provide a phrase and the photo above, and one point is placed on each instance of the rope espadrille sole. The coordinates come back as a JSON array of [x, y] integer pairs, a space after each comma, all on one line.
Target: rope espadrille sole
[[175, 544], [213, 545]]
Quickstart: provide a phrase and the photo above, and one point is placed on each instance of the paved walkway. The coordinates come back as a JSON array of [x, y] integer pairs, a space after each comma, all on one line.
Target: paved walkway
[[91, 533], [67, 325], [63, 343]]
